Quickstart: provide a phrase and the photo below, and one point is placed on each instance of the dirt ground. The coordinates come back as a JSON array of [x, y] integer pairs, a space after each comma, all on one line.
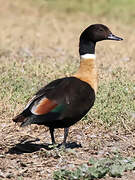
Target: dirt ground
[[24, 152]]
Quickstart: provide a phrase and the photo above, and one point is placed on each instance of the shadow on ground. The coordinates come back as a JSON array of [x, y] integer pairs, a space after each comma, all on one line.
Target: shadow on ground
[[30, 147]]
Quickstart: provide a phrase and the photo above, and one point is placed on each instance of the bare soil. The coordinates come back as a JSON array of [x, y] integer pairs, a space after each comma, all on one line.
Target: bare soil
[[26, 153]]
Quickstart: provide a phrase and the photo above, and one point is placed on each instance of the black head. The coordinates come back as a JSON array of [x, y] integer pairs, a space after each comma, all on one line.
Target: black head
[[93, 34], [98, 32]]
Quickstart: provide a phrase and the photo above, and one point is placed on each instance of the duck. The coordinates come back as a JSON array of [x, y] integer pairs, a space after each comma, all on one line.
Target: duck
[[65, 101]]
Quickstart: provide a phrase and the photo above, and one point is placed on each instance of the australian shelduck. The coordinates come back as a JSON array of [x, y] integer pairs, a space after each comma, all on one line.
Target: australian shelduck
[[65, 101]]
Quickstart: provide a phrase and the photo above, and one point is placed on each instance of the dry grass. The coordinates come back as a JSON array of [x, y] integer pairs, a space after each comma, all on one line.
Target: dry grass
[[38, 45]]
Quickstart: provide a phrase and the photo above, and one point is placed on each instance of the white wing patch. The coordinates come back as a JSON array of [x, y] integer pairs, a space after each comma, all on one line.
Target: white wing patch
[[35, 105]]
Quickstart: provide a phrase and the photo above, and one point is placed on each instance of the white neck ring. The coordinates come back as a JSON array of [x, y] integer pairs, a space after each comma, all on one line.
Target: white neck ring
[[88, 56]]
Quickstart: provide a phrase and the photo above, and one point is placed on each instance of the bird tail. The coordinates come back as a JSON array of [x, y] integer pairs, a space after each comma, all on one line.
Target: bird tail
[[19, 118], [28, 121], [25, 118], [25, 121], [33, 120], [40, 119], [22, 117]]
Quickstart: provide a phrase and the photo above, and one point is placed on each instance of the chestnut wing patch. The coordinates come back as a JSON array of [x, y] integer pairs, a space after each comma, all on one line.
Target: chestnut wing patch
[[43, 106]]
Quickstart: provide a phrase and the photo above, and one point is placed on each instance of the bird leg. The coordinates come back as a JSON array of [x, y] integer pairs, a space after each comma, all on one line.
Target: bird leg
[[52, 135], [65, 135]]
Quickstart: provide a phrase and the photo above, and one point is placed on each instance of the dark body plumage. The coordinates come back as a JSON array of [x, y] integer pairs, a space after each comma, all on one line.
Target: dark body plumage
[[65, 101], [69, 94]]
